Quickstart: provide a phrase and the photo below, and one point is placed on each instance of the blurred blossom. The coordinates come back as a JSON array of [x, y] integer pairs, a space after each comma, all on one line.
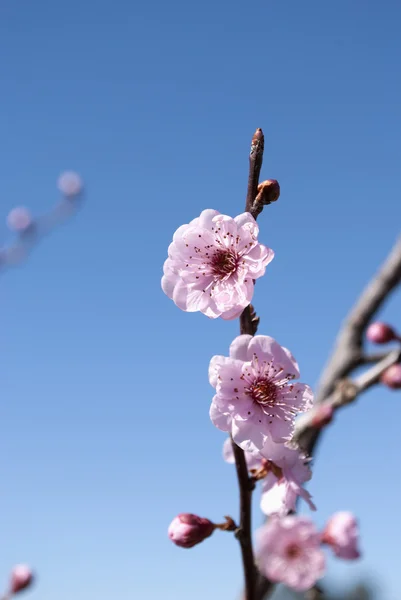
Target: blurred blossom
[[70, 183], [19, 219], [21, 578]]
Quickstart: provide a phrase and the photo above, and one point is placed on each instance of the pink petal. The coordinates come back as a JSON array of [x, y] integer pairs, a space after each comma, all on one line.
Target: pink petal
[[239, 348], [266, 348]]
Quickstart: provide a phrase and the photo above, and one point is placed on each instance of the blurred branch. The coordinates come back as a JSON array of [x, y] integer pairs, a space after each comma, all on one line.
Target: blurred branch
[[346, 392], [36, 229], [348, 353]]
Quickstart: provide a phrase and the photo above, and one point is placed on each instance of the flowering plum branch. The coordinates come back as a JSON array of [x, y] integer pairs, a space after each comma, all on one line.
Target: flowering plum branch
[[212, 266]]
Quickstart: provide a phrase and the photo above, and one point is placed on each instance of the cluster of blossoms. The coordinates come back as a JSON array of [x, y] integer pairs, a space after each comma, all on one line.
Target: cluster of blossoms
[[212, 266]]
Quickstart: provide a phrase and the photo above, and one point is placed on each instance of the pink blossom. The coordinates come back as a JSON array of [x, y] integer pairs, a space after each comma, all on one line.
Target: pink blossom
[[342, 534], [283, 483], [19, 219], [285, 470], [380, 333], [21, 578], [70, 183], [290, 552], [253, 461], [212, 264], [187, 530], [255, 396]]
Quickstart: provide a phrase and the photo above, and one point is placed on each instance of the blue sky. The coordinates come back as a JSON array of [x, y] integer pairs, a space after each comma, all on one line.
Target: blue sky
[[105, 398]]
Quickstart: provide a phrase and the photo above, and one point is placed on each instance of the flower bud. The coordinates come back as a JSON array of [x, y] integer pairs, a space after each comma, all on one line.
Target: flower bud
[[392, 377], [268, 191], [380, 333], [187, 530], [70, 183], [21, 578], [19, 219], [323, 416], [341, 533]]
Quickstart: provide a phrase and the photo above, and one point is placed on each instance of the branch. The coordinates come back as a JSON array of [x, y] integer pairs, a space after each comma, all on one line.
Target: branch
[[249, 324], [347, 392], [347, 354], [243, 533], [34, 230]]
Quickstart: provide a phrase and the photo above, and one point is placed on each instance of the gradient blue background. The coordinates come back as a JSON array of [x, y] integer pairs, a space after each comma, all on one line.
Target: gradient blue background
[[104, 390]]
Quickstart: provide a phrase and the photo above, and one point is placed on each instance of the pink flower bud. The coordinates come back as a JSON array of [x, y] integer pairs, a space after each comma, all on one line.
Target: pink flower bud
[[341, 533], [19, 219], [70, 183], [392, 377], [380, 333], [21, 578], [323, 416], [187, 530]]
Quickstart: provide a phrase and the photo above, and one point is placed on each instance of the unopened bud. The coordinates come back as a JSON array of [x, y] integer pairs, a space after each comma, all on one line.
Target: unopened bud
[[21, 578], [19, 219], [70, 183], [187, 530], [268, 192], [392, 377], [380, 333], [323, 416]]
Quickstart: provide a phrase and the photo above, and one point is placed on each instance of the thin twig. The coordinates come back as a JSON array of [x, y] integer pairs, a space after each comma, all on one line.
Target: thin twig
[[348, 353], [243, 533], [249, 324], [347, 392]]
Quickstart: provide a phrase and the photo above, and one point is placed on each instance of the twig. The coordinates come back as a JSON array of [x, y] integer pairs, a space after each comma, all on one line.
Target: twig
[[16, 252], [346, 392], [249, 324], [243, 533], [348, 354]]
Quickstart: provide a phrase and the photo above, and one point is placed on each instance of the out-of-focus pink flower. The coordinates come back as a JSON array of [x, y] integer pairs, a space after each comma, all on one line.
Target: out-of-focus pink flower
[[70, 183], [290, 552], [285, 471], [187, 530], [212, 263], [253, 461], [323, 415], [21, 578], [256, 398], [19, 219], [283, 484], [342, 534], [380, 333], [392, 377]]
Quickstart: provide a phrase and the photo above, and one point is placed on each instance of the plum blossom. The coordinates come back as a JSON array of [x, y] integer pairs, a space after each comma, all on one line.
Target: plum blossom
[[253, 461], [187, 530], [283, 484], [290, 552], [212, 264], [256, 398], [284, 469], [342, 534], [70, 183], [19, 219]]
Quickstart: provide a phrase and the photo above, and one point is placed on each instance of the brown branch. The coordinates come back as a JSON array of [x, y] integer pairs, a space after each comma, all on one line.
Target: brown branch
[[243, 533], [249, 324], [348, 354], [255, 164]]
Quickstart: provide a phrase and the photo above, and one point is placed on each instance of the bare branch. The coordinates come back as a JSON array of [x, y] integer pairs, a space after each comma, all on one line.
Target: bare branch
[[348, 354], [347, 391], [26, 239]]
